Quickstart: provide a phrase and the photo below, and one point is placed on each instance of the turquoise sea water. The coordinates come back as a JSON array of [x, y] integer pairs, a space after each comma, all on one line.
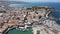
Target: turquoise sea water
[[14, 31], [53, 5]]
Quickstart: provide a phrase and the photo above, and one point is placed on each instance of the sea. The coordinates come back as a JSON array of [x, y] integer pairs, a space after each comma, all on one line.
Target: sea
[[55, 5]]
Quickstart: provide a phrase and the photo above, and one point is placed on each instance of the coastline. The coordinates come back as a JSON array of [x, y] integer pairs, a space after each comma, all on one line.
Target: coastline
[[15, 14]]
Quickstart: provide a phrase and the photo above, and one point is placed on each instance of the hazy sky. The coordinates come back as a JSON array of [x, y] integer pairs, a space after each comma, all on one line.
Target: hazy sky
[[36, 0]]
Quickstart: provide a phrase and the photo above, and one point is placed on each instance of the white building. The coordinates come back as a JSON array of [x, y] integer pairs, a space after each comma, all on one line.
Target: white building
[[49, 23]]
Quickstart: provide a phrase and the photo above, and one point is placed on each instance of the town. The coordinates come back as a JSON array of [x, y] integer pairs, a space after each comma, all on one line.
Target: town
[[37, 17]]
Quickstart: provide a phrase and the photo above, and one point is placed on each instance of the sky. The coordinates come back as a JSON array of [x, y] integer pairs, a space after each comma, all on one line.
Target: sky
[[34, 0]]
